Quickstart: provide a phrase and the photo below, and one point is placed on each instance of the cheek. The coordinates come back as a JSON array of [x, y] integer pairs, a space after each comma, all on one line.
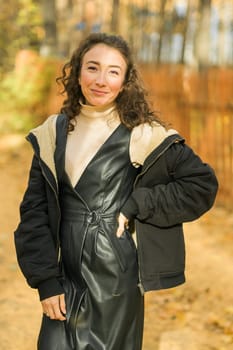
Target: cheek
[[117, 86], [85, 79]]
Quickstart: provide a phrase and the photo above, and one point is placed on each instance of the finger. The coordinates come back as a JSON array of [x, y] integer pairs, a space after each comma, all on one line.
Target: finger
[[45, 312], [51, 306], [119, 231], [50, 313], [122, 223], [45, 304], [62, 304], [56, 313], [122, 219]]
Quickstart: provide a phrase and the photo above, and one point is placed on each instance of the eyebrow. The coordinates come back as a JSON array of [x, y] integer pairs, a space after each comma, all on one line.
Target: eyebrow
[[112, 65]]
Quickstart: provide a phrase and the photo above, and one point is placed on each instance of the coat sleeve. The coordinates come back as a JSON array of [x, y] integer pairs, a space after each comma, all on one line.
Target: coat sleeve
[[35, 248], [189, 194]]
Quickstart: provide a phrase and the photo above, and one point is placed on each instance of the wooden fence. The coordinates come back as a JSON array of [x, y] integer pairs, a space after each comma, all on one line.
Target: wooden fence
[[200, 106]]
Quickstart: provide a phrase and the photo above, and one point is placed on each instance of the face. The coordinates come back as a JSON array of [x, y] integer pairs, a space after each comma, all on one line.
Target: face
[[102, 75]]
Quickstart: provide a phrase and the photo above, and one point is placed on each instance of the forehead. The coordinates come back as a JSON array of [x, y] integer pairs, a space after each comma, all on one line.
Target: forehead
[[105, 54]]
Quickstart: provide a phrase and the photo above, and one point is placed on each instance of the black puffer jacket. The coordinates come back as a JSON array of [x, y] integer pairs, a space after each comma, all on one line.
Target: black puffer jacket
[[173, 187]]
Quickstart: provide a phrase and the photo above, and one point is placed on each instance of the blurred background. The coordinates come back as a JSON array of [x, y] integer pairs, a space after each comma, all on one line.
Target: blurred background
[[184, 50]]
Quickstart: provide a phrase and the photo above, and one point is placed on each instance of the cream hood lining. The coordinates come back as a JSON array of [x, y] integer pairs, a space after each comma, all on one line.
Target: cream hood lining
[[144, 139], [46, 137]]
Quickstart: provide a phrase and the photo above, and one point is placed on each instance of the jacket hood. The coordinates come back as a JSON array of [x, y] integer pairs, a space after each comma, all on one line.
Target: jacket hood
[[44, 143], [145, 139]]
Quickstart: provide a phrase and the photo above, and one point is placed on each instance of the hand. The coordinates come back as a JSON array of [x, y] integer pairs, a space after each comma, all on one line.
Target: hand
[[55, 307], [122, 224]]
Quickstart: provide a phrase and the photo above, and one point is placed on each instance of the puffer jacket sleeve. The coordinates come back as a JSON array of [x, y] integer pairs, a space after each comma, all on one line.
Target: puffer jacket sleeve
[[35, 248], [189, 194]]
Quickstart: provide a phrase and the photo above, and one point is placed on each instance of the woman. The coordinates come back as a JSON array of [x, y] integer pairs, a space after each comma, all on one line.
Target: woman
[[105, 163]]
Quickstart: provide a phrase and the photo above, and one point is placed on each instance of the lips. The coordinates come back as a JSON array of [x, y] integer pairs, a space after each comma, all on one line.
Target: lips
[[99, 92]]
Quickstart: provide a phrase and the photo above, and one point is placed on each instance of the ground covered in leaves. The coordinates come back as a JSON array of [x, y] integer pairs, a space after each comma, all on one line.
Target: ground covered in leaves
[[195, 316]]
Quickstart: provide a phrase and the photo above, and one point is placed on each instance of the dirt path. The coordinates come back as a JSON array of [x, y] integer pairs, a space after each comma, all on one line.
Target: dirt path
[[197, 315]]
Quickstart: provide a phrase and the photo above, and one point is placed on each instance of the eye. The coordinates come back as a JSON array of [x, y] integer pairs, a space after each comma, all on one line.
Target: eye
[[92, 68], [114, 72]]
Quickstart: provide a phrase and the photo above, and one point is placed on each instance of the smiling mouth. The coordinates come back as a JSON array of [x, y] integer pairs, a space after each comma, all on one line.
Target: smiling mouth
[[99, 92]]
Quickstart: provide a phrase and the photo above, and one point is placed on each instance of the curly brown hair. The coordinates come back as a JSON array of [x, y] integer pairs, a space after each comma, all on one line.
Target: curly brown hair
[[131, 103]]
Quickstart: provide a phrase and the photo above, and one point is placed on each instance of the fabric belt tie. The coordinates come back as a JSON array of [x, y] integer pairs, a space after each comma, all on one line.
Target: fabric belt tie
[[92, 217]]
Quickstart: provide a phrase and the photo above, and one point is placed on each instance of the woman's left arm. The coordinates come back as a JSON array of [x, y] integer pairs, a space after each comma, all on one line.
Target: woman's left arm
[[190, 193]]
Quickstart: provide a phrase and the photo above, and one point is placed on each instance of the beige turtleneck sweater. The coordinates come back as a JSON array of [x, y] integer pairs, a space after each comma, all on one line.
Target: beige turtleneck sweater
[[93, 127]]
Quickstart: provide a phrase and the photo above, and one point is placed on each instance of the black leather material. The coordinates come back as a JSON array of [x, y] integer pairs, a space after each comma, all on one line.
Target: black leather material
[[104, 304]]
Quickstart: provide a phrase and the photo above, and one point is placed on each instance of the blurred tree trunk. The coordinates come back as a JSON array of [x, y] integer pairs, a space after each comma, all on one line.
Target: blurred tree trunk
[[202, 39], [162, 27], [115, 13], [185, 33], [65, 27], [49, 45], [221, 35], [225, 40]]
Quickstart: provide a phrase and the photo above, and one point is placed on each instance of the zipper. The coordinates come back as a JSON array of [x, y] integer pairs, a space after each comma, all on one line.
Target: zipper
[[140, 284], [58, 206]]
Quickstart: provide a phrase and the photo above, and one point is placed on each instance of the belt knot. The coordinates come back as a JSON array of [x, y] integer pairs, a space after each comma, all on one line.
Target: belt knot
[[94, 217]]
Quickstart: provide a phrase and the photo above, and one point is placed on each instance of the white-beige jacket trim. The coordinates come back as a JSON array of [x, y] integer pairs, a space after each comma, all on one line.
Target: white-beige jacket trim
[[46, 137]]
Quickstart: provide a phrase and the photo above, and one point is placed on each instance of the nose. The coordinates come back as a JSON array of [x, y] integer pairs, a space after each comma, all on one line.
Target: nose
[[101, 79]]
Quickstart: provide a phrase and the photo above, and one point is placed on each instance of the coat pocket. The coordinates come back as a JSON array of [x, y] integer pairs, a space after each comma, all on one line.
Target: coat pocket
[[127, 249]]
